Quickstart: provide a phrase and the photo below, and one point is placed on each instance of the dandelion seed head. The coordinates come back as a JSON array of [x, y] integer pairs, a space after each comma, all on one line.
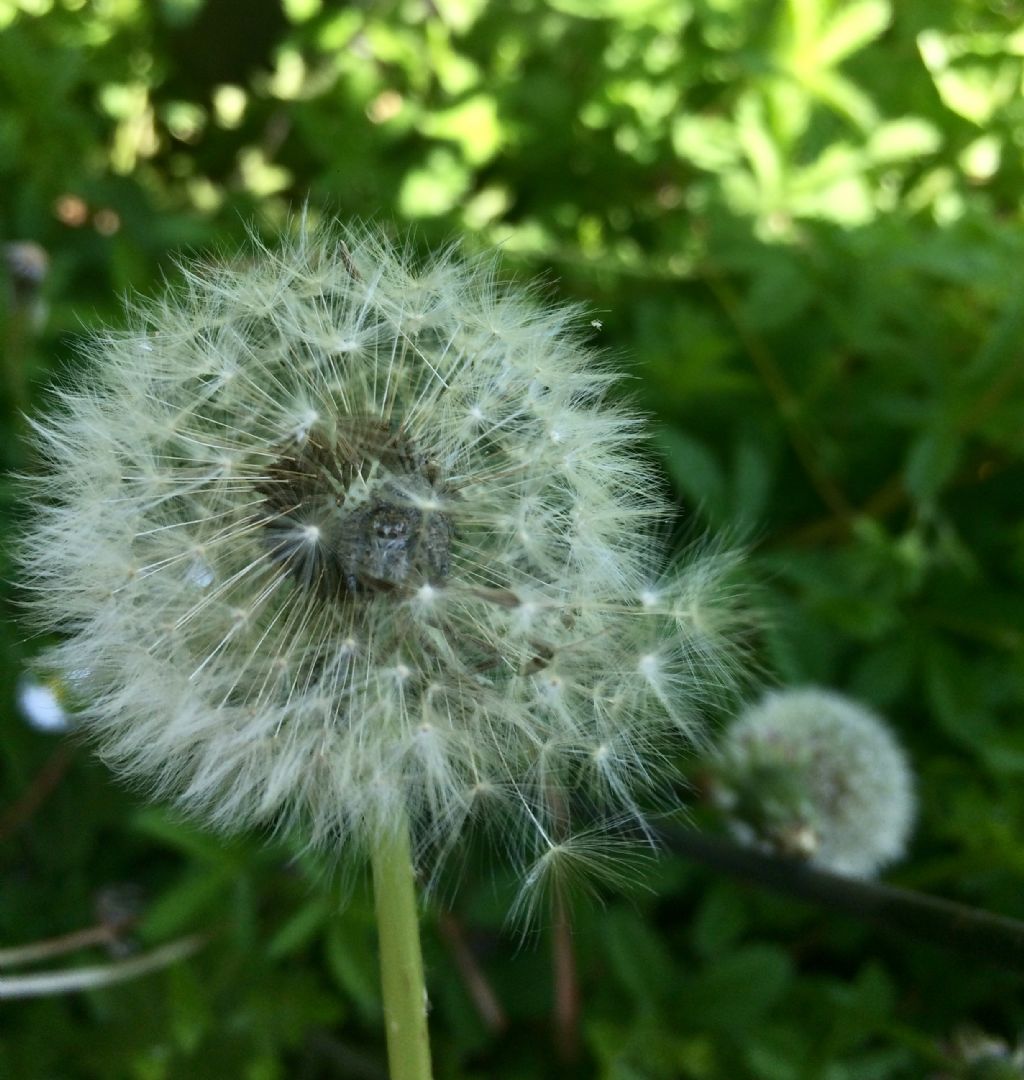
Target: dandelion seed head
[[814, 775], [343, 537]]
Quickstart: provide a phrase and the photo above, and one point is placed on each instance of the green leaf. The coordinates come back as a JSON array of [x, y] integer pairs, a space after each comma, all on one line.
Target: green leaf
[[435, 187], [753, 477], [354, 967], [188, 1007], [845, 96], [853, 27], [864, 1006], [473, 124], [710, 142], [174, 833], [902, 140], [608, 9], [778, 295], [884, 672], [299, 929], [637, 956], [695, 471], [737, 989], [181, 907], [1002, 347], [955, 695], [931, 461], [719, 921]]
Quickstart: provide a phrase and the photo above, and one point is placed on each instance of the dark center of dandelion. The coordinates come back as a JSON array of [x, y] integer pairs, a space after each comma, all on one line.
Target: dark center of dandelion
[[358, 513]]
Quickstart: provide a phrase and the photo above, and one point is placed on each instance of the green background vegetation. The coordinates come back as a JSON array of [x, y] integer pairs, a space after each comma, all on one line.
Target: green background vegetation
[[800, 224]]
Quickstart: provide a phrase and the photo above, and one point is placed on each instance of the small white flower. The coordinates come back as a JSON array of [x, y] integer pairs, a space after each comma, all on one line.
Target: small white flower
[[41, 705], [344, 538], [814, 775]]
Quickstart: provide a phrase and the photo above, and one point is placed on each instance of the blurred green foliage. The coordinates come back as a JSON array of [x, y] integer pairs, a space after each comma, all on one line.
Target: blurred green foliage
[[800, 221]]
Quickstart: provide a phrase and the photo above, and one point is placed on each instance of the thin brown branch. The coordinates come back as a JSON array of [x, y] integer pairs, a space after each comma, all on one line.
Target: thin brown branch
[[889, 498], [40, 788], [480, 991], [996, 939], [786, 402], [566, 980], [117, 916], [106, 933], [48, 983], [345, 1061]]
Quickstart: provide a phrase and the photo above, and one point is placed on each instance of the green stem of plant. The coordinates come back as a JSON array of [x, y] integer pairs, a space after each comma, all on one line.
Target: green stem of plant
[[401, 960]]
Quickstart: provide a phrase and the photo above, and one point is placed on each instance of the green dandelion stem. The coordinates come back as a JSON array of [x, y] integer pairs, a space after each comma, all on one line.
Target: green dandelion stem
[[994, 938], [401, 960]]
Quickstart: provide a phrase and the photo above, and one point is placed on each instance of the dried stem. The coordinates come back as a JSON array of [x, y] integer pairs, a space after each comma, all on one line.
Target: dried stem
[[994, 938], [46, 983], [43, 783], [482, 994], [105, 933], [786, 402], [566, 978]]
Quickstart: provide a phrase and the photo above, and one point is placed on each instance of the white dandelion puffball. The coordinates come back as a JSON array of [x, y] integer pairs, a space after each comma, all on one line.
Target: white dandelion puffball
[[340, 537], [812, 774]]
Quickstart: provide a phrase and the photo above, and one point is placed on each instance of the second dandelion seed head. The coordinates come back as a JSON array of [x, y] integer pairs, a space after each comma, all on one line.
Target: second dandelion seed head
[[810, 774]]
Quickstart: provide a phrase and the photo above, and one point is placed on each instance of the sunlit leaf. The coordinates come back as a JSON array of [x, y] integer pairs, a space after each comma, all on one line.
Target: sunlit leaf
[[850, 29]]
